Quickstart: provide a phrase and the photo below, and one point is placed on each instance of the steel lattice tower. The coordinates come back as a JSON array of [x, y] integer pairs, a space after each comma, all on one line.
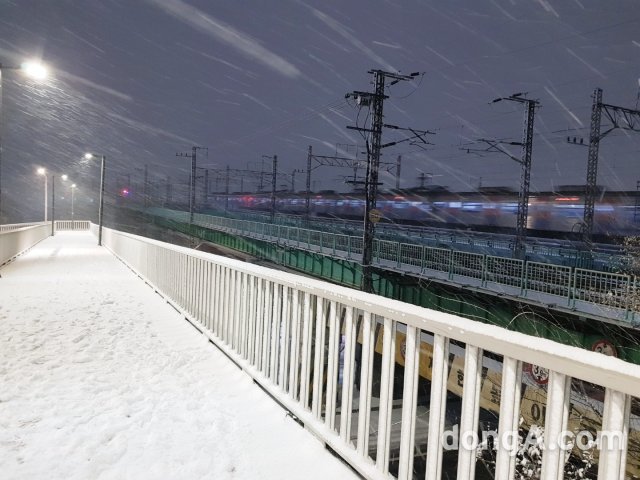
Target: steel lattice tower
[[592, 167]]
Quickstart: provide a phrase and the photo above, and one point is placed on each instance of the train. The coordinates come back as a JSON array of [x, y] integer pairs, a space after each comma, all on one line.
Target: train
[[616, 213]]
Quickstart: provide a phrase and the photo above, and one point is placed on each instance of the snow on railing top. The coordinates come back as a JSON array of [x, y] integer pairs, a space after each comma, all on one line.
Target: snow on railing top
[[593, 367]]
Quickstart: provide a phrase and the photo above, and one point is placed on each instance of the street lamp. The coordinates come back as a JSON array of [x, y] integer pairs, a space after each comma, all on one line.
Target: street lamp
[[73, 190], [53, 201], [32, 69], [89, 156], [43, 172]]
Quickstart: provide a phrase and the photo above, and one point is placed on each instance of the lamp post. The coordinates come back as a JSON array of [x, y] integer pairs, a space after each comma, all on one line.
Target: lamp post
[[53, 201], [89, 156], [34, 70], [43, 172], [73, 191]]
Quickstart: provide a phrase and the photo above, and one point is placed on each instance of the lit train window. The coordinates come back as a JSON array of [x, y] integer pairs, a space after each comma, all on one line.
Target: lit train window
[[471, 206]]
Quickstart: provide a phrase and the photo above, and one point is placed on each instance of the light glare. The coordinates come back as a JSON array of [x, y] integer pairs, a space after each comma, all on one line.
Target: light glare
[[88, 156], [65, 177], [35, 70], [41, 171]]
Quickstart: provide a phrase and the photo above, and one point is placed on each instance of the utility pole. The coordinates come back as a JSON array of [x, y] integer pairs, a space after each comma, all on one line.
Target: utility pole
[[424, 178], [592, 167], [525, 173], [274, 175], [192, 178], [375, 101], [398, 168], [620, 117], [53, 205], [307, 198], [206, 186], [293, 179], [353, 163]]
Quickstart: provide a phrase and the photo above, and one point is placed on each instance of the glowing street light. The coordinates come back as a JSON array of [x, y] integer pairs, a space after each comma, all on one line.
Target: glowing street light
[[32, 69], [89, 156], [73, 190], [35, 70], [43, 172], [53, 201]]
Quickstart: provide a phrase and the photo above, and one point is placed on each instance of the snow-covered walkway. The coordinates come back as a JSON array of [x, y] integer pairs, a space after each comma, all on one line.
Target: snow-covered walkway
[[100, 378]]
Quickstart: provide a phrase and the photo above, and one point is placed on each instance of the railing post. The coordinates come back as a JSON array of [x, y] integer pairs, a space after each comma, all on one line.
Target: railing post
[[483, 280], [347, 375], [509, 418], [242, 327], [386, 394], [555, 423], [470, 412], [257, 360], [307, 336], [439, 376], [409, 403], [332, 365], [276, 320], [366, 381], [613, 444], [237, 317], [318, 363], [570, 287], [265, 334], [450, 264], [218, 291], [294, 378], [285, 347]]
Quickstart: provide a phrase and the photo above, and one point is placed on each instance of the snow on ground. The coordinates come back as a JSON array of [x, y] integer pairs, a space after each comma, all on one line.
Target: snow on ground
[[100, 378]]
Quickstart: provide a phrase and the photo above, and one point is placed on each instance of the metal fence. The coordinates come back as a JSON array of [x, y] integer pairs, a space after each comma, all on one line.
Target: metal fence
[[383, 383], [19, 237], [16, 226], [63, 225], [540, 282], [488, 243], [15, 241]]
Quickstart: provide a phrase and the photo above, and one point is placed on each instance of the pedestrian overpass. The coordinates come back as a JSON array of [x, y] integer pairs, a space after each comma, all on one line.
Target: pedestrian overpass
[[393, 389]]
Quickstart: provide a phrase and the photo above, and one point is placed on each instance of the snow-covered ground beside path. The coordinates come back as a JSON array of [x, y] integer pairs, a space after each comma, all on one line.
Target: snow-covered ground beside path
[[100, 378]]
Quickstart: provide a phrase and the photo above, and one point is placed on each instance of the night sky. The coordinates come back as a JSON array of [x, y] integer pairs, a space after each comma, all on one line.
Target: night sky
[[141, 80]]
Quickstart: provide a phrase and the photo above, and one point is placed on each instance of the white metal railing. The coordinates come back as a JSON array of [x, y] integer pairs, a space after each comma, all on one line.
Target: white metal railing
[[15, 241], [72, 225], [15, 226], [525, 279], [382, 382]]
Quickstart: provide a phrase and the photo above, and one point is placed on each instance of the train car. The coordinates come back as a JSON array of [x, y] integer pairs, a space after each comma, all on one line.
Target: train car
[[615, 213]]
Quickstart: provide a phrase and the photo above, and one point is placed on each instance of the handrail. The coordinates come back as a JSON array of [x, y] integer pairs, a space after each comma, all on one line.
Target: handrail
[[433, 236], [63, 225], [543, 283], [15, 241], [317, 348], [16, 226]]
